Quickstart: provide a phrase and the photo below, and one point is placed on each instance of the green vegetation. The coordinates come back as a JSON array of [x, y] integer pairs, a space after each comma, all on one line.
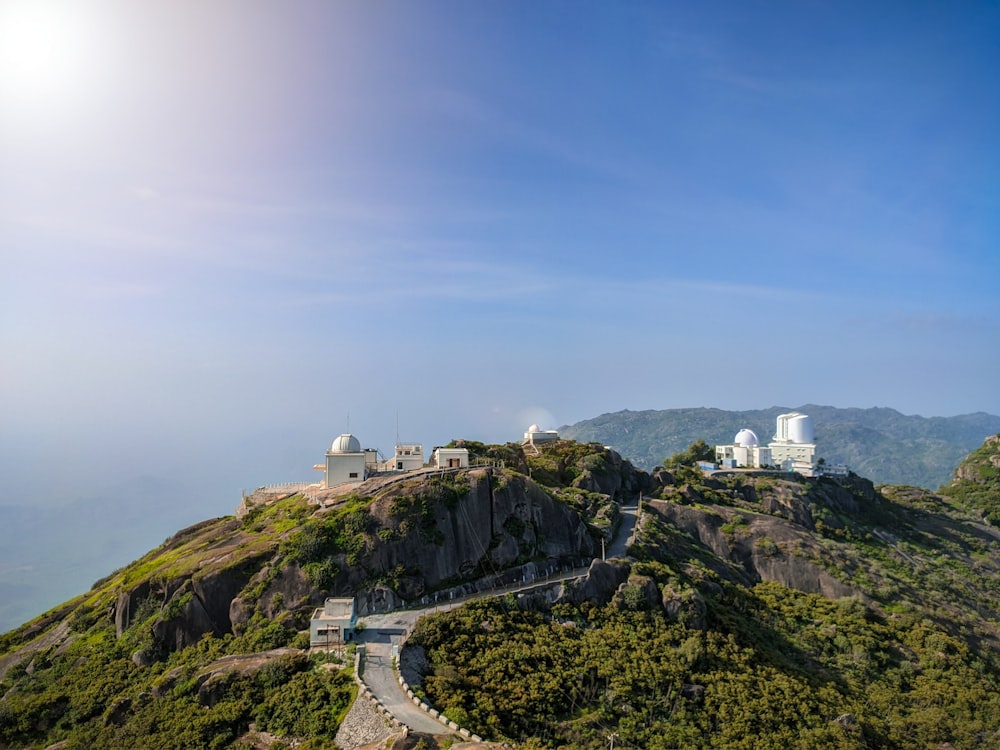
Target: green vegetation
[[773, 667], [90, 694], [562, 463], [699, 450], [319, 542], [511, 455], [977, 482]]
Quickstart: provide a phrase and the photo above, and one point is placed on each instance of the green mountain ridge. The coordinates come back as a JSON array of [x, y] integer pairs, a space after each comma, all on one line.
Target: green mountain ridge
[[755, 610], [879, 443]]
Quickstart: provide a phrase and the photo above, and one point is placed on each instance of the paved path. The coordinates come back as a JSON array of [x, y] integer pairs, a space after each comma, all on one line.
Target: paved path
[[381, 677], [383, 634], [622, 539]]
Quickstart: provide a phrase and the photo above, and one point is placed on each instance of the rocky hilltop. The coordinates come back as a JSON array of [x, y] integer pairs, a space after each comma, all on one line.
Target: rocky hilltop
[[976, 483], [202, 642]]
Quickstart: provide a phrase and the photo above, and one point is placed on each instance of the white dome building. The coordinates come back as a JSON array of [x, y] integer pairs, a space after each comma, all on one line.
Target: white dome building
[[536, 434], [744, 453], [345, 462]]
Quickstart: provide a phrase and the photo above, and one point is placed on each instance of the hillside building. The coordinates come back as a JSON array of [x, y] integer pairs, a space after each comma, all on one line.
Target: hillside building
[[333, 624], [346, 462], [745, 452], [536, 434], [450, 458], [407, 457], [794, 445]]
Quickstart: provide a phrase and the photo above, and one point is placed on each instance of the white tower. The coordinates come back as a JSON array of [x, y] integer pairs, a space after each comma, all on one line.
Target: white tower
[[794, 446]]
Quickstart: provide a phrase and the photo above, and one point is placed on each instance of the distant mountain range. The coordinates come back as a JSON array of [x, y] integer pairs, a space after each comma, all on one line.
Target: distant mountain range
[[879, 443]]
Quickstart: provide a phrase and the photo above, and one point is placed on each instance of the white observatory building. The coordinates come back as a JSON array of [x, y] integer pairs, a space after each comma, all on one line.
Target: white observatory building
[[346, 462], [536, 434], [794, 445], [792, 449], [745, 452]]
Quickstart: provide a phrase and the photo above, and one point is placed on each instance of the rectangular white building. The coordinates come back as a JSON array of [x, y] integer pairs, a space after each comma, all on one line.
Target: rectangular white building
[[450, 458]]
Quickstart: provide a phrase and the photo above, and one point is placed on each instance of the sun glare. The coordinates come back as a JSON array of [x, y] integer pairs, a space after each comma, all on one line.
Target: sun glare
[[47, 54]]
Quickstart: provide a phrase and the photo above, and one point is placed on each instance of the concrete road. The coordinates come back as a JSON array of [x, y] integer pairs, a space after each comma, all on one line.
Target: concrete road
[[381, 677], [620, 543]]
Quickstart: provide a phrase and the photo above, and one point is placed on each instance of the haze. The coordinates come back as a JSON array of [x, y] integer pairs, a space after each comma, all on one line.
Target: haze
[[231, 231]]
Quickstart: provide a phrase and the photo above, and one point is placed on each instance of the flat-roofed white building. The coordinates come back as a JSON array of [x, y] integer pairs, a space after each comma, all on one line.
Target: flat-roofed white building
[[408, 457], [333, 624], [450, 458], [745, 452]]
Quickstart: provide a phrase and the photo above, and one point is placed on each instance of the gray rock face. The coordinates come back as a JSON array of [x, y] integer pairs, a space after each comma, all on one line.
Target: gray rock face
[[599, 585], [428, 533], [126, 606], [639, 592], [750, 547], [969, 471], [501, 520], [687, 607]]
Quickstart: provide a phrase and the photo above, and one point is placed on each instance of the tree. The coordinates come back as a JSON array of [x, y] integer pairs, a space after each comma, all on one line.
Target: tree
[[699, 450]]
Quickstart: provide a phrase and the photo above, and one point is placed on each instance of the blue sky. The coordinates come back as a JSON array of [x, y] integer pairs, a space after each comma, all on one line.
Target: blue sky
[[225, 227]]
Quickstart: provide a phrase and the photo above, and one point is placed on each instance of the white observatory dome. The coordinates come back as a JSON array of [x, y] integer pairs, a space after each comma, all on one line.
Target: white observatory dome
[[346, 443], [746, 438], [534, 428]]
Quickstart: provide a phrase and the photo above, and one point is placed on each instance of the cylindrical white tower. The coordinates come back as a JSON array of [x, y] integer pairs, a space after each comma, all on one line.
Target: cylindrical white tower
[[800, 429], [781, 428]]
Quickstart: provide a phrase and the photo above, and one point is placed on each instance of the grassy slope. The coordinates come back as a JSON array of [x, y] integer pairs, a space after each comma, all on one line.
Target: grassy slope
[[66, 676]]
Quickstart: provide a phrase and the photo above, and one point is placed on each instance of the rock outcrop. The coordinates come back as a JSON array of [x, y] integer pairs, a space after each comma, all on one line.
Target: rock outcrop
[[750, 547], [974, 467], [415, 536], [502, 519]]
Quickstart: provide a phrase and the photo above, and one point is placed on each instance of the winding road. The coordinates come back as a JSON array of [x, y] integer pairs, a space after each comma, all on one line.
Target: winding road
[[384, 633]]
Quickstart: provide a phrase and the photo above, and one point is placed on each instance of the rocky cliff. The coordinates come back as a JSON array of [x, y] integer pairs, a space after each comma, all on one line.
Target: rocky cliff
[[976, 482], [265, 572]]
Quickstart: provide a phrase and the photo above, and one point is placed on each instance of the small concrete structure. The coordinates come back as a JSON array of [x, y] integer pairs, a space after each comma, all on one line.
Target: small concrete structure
[[450, 458], [333, 624]]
